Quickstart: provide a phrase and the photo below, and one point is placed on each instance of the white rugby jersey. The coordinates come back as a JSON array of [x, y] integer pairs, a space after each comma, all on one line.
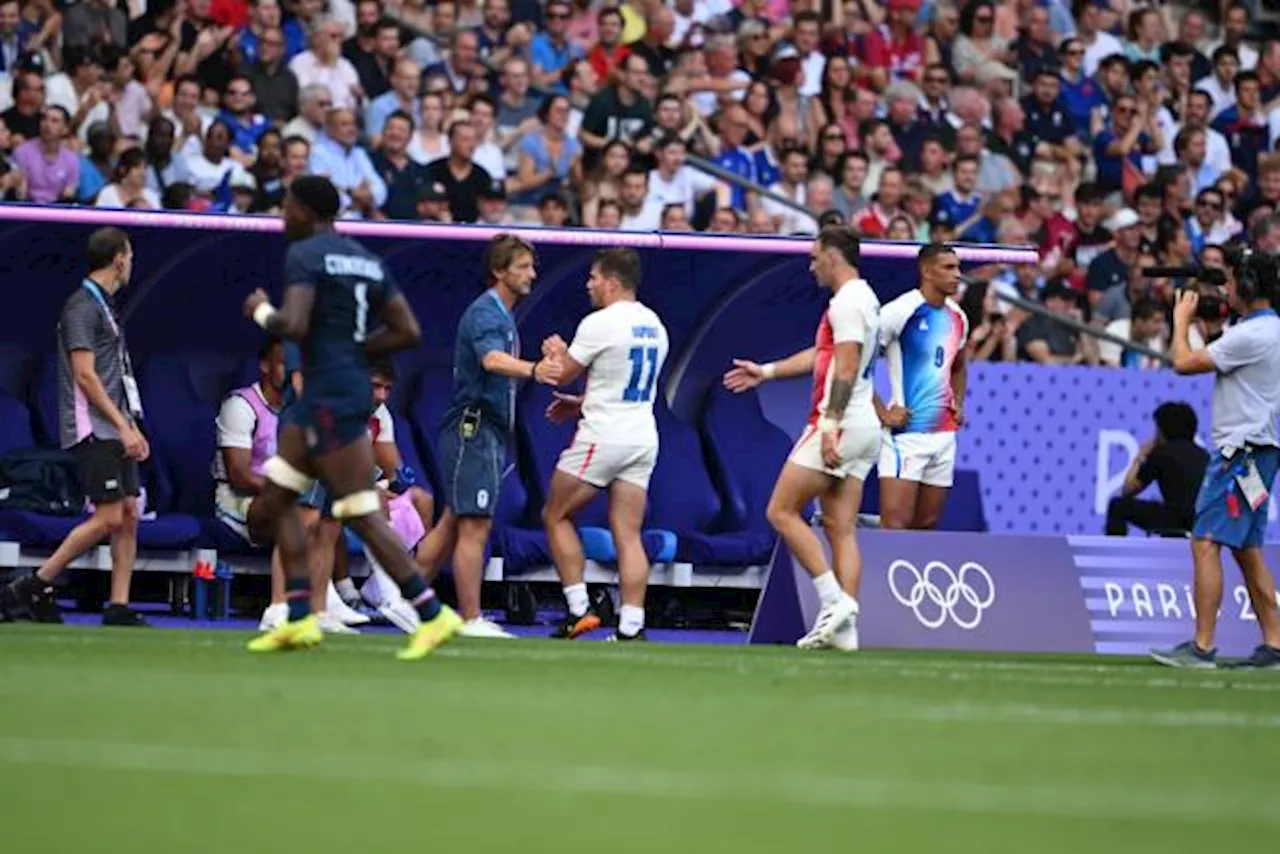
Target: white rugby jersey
[[623, 347], [853, 315]]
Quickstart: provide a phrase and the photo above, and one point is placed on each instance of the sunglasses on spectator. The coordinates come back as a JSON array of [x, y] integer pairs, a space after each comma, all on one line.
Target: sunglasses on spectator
[[557, 16]]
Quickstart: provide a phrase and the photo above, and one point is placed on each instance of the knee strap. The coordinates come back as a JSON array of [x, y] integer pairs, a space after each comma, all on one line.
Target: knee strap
[[282, 474], [357, 504]]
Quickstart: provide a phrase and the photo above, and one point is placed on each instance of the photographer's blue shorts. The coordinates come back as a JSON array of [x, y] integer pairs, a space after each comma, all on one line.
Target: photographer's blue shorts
[[1222, 514], [472, 468]]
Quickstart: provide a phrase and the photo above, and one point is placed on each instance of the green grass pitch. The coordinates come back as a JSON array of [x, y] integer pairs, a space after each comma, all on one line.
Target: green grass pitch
[[168, 741]]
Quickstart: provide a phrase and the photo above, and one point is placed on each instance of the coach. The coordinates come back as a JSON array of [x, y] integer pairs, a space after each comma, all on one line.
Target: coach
[[98, 410], [479, 422], [1231, 509]]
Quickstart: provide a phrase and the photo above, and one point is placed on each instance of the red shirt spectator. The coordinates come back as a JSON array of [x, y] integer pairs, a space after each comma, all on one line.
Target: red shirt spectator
[[895, 47]]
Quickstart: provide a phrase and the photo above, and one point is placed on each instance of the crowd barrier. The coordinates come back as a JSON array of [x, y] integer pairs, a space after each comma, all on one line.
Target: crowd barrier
[[1014, 593]]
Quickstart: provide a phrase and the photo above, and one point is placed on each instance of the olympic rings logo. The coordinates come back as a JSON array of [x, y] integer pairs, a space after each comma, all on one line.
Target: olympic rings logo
[[939, 594]]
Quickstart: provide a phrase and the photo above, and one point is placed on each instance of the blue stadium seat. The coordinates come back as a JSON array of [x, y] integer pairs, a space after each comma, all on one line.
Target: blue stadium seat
[[745, 452], [684, 500], [15, 424], [16, 366], [41, 531], [43, 402]]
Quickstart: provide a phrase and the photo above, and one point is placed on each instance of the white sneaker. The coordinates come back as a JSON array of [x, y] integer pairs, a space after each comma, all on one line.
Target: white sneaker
[[846, 637], [830, 618], [400, 614], [331, 625], [482, 628], [341, 610], [273, 617]]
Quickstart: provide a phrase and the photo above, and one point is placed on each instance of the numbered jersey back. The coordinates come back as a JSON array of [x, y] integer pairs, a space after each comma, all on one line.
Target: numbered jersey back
[[623, 348], [351, 288]]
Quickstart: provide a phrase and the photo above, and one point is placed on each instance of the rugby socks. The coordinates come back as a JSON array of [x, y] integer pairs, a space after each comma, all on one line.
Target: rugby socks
[[829, 591], [347, 590], [421, 597], [576, 596], [630, 620], [297, 592]]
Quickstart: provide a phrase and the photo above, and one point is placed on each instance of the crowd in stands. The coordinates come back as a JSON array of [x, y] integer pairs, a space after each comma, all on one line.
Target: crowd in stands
[[1111, 134]]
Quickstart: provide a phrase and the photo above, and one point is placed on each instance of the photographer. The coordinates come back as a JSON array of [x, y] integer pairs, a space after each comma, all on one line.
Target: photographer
[[1231, 509]]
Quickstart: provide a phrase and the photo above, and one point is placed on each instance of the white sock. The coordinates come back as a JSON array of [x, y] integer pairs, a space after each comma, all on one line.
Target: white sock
[[346, 589], [829, 591], [630, 620], [576, 596]]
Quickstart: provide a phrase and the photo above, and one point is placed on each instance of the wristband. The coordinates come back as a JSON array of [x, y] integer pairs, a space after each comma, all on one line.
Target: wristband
[[263, 314], [827, 424], [533, 370], [769, 371]]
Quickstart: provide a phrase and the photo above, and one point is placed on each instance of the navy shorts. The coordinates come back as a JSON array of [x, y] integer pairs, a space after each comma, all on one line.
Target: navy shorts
[[327, 426], [472, 467], [1222, 514]]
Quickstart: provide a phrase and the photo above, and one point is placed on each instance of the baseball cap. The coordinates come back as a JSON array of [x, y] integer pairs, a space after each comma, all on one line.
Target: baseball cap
[[433, 193], [1123, 218]]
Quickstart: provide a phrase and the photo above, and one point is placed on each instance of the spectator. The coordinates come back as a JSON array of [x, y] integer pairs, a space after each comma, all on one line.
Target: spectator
[[23, 119], [94, 23], [675, 218], [1111, 267], [673, 182], [373, 50], [1145, 327], [991, 333], [1048, 343], [493, 207], [461, 64], [489, 153], [163, 167], [337, 156], [548, 157], [324, 65], [211, 166], [401, 97], [640, 210], [1219, 86], [848, 197], [551, 51], [430, 143], [51, 167], [1244, 124], [189, 118], [79, 90], [274, 87], [553, 212], [128, 185], [246, 125], [460, 177], [608, 52], [517, 109], [619, 111]]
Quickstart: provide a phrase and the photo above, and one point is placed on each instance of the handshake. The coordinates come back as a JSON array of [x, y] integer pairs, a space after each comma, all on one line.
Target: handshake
[[550, 371]]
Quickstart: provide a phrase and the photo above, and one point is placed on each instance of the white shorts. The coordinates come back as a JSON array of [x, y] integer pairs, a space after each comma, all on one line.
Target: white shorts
[[928, 458], [601, 463], [859, 448]]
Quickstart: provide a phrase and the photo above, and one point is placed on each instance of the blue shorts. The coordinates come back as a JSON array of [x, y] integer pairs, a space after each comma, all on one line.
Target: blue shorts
[[471, 467], [1222, 514], [327, 426], [317, 498]]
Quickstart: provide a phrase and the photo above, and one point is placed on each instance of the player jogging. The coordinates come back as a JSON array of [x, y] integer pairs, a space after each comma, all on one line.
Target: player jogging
[[621, 346], [923, 333], [1231, 508], [840, 442], [335, 291]]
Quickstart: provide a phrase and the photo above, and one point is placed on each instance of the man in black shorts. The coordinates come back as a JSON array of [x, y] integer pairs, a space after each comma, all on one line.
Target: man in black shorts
[[342, 306], [98, 412]]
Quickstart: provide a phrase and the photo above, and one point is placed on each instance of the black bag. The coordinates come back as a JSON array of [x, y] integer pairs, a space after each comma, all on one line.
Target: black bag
[[41, 480]]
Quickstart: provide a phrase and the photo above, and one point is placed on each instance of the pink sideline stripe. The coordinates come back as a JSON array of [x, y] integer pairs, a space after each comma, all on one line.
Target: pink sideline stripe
[[985, 254]]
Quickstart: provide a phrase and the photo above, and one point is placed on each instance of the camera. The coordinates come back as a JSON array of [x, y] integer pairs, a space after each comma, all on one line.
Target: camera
[[1257, 275]]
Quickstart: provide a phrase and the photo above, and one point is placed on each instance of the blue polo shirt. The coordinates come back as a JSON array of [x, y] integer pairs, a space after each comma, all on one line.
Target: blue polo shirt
[[486, 326]]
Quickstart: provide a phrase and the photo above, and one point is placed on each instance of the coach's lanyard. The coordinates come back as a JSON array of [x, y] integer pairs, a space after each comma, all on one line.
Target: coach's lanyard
[[511, 384], [131, 393]]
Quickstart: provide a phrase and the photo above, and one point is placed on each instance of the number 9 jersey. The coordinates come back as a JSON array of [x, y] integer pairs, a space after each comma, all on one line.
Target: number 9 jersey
[[623, 347], [921, 344]]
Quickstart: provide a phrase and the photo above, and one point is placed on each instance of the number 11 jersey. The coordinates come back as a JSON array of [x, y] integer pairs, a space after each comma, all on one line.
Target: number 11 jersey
[[921, 343], [623, 347]]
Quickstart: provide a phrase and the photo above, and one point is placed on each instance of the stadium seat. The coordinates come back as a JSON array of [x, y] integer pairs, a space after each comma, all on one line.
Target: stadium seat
[[16, 366], [683, 500], [38, 530]]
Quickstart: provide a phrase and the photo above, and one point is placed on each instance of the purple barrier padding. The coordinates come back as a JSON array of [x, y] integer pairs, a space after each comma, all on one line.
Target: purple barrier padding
[[1051, 445], [1003, 593], [984, 253]]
